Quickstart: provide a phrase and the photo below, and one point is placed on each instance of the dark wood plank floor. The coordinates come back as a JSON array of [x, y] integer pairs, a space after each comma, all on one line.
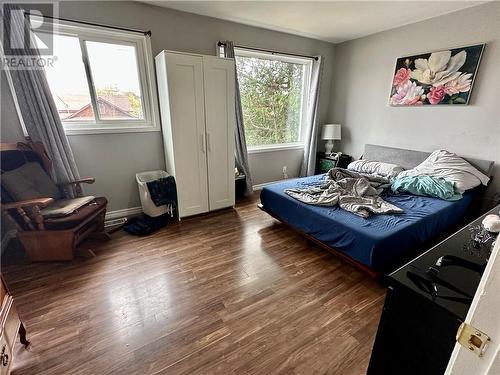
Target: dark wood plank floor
[[231, 293]]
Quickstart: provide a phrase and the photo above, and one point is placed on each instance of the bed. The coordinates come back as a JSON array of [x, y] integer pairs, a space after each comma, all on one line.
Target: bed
[[379, 243]]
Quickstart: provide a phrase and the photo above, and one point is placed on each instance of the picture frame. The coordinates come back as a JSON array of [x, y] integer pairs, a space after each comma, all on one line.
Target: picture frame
[[443, 77]]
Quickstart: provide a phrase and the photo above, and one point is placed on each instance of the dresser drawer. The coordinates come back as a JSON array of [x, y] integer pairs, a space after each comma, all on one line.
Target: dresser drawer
[[10, 322], [5, 356]]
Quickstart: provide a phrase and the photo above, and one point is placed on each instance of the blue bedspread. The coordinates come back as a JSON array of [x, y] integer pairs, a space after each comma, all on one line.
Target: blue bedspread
[[379, 242]]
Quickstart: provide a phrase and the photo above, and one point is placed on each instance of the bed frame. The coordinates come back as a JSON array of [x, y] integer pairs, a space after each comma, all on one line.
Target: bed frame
[[323, 245], [407, 159]]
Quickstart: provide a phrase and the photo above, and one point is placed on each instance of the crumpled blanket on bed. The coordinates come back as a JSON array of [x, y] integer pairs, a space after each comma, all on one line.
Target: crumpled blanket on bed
[[352, 191]]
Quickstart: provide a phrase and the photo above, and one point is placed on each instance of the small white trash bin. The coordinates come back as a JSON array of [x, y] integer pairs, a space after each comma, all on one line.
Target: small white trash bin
[[148, 207]]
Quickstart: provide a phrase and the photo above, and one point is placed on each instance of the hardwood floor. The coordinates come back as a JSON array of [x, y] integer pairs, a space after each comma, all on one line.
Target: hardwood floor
[[234, 292]]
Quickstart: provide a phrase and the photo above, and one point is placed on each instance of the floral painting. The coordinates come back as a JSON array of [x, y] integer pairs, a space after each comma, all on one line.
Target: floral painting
[[443, 77]]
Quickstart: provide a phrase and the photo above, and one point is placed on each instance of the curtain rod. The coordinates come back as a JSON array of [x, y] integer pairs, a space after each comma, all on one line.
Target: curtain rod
[[220, 44], [147, 32]]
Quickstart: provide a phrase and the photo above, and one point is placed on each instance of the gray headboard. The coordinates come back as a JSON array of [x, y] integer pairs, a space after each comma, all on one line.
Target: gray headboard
[[410, 158]]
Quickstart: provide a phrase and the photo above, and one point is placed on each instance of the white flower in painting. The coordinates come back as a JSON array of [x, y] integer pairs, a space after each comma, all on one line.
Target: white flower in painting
[[407, 94], [458, 85], [439, 69]]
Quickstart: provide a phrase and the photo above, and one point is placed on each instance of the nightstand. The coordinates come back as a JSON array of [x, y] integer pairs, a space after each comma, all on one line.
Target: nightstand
[[325, 163], [10, 327]]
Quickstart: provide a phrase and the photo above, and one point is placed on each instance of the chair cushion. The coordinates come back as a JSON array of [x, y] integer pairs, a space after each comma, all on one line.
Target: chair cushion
[[77, 217], [63, 207], [28, 182]]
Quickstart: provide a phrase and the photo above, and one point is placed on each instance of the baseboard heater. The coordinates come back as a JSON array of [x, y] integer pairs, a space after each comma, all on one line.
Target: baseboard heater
[[110, 224]]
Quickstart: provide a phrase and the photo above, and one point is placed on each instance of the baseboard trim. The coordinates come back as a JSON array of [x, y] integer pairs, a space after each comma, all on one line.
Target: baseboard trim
[[260, 186], [118, 214]]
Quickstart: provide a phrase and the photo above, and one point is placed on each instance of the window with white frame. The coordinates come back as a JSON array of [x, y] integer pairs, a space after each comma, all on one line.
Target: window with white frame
[[102, 80], [274, 90]]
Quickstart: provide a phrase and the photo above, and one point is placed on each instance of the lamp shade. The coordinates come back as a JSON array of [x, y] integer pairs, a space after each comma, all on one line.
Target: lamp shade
[[331, 131]]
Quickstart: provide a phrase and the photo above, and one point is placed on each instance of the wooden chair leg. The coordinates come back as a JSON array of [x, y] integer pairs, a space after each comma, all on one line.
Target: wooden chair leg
[[100, 233], [100, 222]]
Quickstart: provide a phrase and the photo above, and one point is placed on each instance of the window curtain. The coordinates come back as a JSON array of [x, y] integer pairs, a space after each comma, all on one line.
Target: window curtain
[[312, 120], [241, 153], [37, 106]]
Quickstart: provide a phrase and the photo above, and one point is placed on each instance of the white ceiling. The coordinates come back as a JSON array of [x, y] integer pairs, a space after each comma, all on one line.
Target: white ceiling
[[332, 21]]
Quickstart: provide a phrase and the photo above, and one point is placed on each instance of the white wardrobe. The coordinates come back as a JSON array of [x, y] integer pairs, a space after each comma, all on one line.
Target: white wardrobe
[[198, 119]]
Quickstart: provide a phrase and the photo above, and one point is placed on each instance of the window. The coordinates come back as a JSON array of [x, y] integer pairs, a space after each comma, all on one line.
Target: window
[[101, 80], [273, 91]]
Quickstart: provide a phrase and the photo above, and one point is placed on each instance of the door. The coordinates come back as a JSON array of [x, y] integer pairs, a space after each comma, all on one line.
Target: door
[[220, 121], [483, 315], [187, 117]]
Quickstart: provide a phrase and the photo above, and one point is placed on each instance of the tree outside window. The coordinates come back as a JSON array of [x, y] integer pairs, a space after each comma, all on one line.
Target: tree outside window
[[272, 98]]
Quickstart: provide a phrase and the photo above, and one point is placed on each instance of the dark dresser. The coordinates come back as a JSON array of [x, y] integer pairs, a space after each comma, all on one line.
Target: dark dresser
[[427, 300], [10, 327]]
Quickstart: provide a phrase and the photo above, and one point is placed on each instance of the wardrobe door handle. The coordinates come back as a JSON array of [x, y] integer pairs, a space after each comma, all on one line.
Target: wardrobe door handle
[[202, 145], [209, 142]]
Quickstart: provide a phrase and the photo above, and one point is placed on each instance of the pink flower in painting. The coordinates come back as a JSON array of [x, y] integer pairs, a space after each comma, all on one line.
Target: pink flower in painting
[[458, 85], [415, 101], [401, 76], [436, 94], [407, 94]]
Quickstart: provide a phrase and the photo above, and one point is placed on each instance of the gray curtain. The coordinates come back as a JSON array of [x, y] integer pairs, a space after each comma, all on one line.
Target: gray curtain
[[312, 120], [241, 153], [37, 105]]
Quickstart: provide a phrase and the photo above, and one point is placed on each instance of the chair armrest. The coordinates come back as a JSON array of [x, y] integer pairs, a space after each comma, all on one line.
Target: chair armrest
[[84, 180], [72, 189], [42, 202]]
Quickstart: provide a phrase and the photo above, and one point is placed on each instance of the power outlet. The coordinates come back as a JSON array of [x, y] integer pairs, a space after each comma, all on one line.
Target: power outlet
[[285, 172]]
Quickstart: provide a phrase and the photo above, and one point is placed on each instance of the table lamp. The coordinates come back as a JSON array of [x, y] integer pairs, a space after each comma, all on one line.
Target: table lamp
[[330, 133]]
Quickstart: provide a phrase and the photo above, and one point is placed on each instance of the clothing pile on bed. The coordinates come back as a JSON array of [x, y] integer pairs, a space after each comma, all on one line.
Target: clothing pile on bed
[[358, 188], [355, 192]]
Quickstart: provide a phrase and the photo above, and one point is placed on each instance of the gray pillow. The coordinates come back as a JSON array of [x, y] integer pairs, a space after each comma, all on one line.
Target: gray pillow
[[28, 182], [378, 168]]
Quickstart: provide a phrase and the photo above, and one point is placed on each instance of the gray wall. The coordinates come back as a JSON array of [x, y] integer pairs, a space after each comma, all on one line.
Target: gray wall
[[362, 80], [115, 158]]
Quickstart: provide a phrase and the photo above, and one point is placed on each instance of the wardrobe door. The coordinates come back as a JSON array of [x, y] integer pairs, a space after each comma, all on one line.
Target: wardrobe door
[[187, 116], [220, 122]]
